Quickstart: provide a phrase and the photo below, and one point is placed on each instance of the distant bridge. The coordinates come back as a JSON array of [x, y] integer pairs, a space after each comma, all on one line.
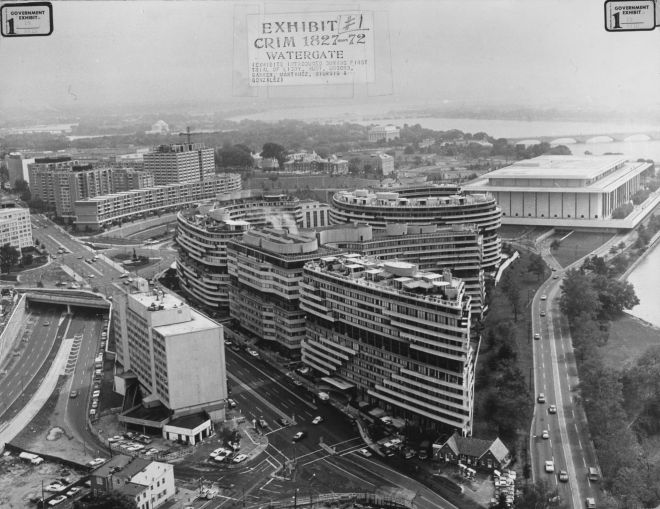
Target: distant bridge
[[588, 138], [80, 298]]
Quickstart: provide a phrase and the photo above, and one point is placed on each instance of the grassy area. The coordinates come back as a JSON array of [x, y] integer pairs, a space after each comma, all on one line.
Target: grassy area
[[629, 338], [577, 245], [515, 231]]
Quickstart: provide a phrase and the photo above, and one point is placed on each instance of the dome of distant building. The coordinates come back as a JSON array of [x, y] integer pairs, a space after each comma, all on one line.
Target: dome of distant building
[[159, 127]]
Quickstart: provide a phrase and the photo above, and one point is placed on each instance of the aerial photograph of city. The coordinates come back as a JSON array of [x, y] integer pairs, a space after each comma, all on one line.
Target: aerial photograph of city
[[398, 254]]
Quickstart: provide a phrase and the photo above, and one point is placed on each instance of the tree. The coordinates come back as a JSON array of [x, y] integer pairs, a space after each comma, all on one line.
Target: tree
[[112, 500], [555, 244], [614, 296], [511, 289], [23, 189], [536, 265], [409, 150], [537, 495], [28, 259], [270, 150], [578, 297], [9, 255]]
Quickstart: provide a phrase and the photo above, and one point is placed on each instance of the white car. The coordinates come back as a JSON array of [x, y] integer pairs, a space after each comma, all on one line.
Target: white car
[[549, 466], [95, 403], [365, 452], [318, 419], [544, 297], [96, 394], [57, 500], [253, 353], [240, 457], [55, 487], [545, 435], [95, 462], [73, 491]]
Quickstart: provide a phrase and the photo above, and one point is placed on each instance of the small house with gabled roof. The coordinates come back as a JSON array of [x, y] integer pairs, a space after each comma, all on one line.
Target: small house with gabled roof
[[474, 452]]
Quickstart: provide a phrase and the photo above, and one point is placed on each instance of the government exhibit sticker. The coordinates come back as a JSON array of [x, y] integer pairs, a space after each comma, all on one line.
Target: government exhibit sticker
[[629, 15], [26, 19], [310, 49]]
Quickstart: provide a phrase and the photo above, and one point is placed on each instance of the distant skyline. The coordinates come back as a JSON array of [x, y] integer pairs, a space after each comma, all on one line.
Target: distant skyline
[[530, 53]]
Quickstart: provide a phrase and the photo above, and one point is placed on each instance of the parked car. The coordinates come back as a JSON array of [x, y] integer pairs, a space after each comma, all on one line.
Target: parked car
[[283, 421], [96, 394], [95, 462], [239, 458], [262, 423], [318, 419], [56, 486], [365, 452], [57, 500], [231, 403], [590, 503], [73, 491], [253, 353]]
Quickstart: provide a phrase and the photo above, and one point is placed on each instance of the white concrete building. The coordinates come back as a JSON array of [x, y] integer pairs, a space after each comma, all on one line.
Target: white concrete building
[[17, 167], [180, 163], [383, 132], [392, 335], [15, 226], [176, 353], [315, 213], [566, 191]]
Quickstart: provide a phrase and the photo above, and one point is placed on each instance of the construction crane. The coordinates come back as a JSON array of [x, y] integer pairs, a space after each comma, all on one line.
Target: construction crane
[[190, 133]]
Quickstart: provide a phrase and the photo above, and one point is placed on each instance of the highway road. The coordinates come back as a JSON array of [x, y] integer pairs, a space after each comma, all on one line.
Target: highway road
[[41, 329]]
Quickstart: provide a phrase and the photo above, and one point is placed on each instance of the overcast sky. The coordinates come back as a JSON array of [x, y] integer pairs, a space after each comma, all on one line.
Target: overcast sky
[[530, 52]]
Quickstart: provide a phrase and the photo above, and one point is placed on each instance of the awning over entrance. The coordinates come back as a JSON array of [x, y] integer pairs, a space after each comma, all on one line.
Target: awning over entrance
[[339, 384]]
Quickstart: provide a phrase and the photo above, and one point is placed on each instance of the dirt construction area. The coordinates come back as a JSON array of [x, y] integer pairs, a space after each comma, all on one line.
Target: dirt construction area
[[20, 482]]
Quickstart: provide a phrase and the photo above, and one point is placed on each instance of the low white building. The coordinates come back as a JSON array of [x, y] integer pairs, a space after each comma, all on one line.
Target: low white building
[[383, 132]]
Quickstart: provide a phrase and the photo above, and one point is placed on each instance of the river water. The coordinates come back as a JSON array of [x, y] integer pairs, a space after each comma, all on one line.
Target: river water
[[646, 280]]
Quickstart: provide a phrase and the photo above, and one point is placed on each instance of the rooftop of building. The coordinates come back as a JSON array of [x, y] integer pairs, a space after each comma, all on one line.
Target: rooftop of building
[[131, 489], [198, 323], [563, 167], [177, 147], [155, 414], [285, 243], [134, 467], [161, 299], [117, 464], [394, 276], [382, 198], [189, 421]]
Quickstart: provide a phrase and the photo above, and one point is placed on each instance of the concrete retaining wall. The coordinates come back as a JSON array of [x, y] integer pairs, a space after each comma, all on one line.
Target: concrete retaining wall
[[12, 328]]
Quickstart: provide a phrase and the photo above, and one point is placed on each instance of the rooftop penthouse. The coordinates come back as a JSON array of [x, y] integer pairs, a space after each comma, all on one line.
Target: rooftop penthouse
[[380, 199], [394, 277]]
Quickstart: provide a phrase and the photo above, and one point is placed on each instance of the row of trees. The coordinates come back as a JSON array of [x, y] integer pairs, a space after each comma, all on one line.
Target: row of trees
[[590, 299]]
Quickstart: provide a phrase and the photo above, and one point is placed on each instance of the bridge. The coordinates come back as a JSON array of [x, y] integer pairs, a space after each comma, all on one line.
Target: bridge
[[574, 139], [79, 298]]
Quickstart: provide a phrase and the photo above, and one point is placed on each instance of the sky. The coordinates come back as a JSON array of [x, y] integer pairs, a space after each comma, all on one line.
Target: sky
[[542, 53]]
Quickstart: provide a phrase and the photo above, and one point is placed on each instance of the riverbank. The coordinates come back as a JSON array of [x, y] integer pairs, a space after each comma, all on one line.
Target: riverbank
[[629, 339]]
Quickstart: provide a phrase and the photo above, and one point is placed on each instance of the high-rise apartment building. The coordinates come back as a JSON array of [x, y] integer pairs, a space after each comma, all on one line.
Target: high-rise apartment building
[[176, 164], [265, 270], [203, 233], [392, 335], [176, 353], [125, 179], [17, 167], [458, 248], [15, 226]]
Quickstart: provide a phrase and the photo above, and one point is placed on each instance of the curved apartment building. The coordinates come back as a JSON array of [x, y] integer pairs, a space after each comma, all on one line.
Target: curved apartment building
[[203, 233], [421, 205]]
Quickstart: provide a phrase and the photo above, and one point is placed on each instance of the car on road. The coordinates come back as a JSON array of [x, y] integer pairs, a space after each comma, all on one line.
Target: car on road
[[153, 450], [56, 486], [96, 394], [537, 335], [590, 503], [303, 371], [541, 398], [73, 394], [544, 297], [95, 462], [46, 324], [552, 409], [545, 435], [299, 436], [92, 412], [563, 476], [549, 466], [73, 491], [253, 353], [221, 456], [239, 458], [227, 342], [542, 313], [365, 452], [317, 420], [80, 257], [57, 500], [125, 274], [555, 276], [231, 403]]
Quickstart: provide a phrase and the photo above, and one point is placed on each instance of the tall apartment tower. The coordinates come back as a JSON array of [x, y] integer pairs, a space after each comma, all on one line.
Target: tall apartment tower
[[392, 335], [180, 163], [265, 270], [176, 353]]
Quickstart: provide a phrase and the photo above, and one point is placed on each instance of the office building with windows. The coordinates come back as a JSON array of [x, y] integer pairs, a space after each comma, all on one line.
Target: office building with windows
[[103, 211], [15, 226], [203, 233], [180, 163], [176, 353], [392, 335], [423, 204], [315, 214], [125, 179], [265, 270]]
